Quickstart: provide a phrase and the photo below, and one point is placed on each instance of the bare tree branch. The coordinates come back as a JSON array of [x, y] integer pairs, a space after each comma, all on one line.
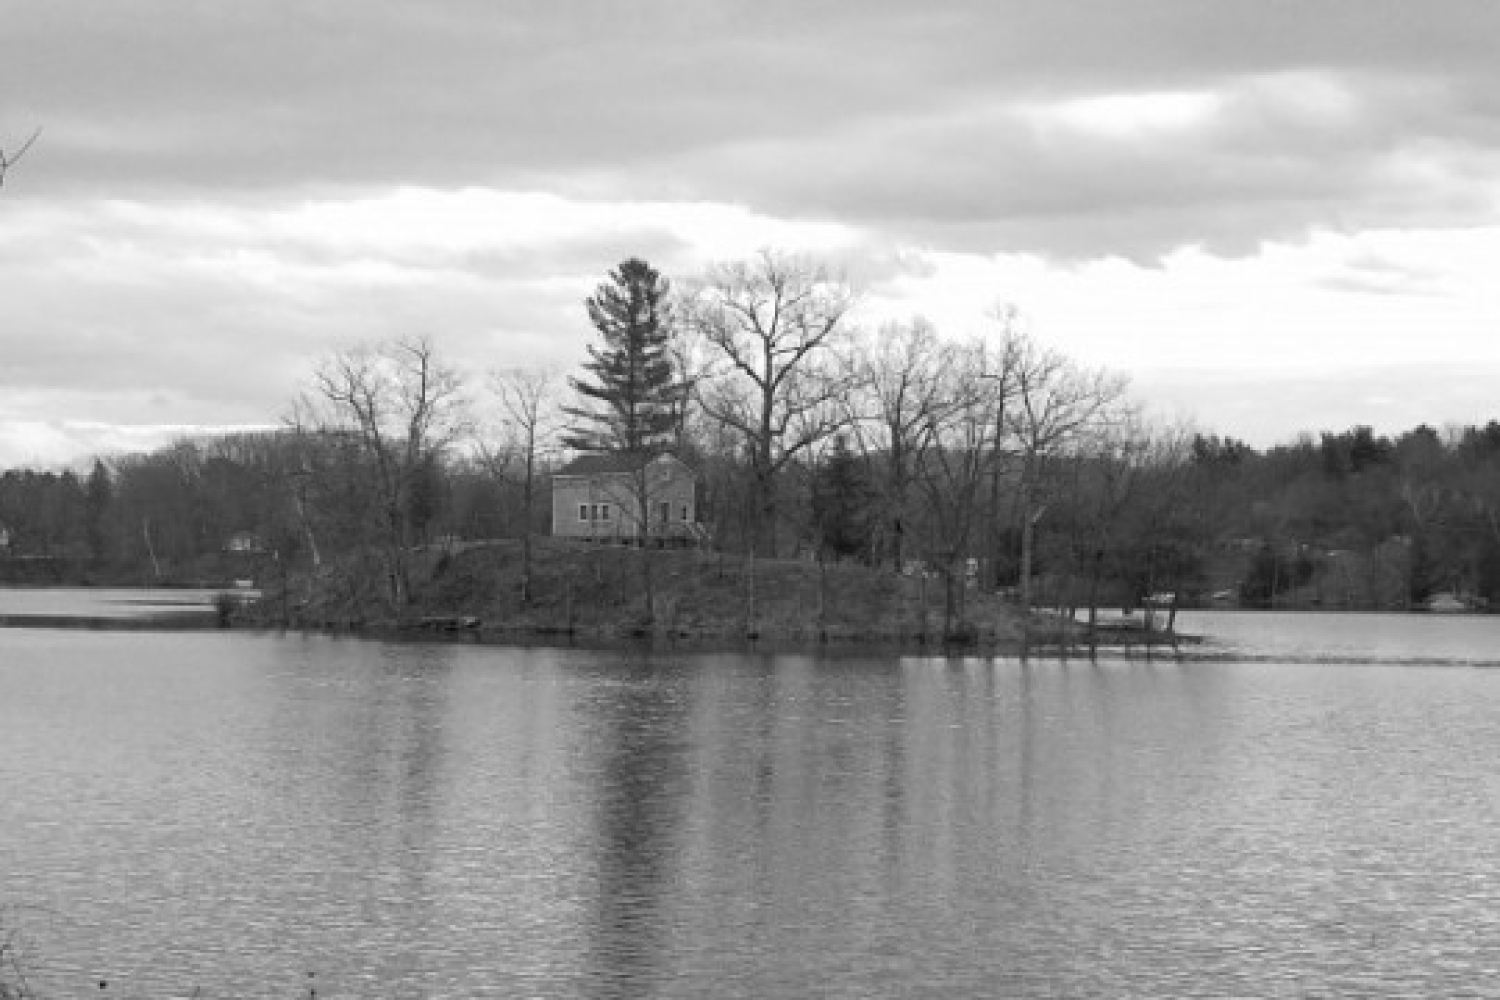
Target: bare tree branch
[[772, 324], [404, 408], [529, 398], [8, 161]]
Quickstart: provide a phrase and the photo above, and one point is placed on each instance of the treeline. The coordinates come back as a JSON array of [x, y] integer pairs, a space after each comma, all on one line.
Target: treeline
[[1356, 519], [988, 461], [201, 508]]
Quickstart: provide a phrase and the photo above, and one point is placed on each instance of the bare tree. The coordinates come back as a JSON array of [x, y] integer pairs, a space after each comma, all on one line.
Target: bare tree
[[300, 475], [771, 324], [1111, 470], [8, 160], [528, 397], [404, 408], [1171, 516], [896, 408], [1002, 361], [961, 423], [1057, 403]]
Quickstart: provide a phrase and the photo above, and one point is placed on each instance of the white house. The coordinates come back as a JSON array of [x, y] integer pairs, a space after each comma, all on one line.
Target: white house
[[594, 497]]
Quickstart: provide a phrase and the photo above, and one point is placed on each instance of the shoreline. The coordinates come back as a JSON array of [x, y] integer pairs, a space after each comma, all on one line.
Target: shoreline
[[987, 641]]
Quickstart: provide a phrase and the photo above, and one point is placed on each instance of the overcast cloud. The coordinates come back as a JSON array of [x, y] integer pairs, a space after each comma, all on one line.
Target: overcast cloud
[[1263, 210]]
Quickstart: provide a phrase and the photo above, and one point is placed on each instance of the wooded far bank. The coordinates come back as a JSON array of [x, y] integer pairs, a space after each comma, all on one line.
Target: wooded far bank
[[990, 466]]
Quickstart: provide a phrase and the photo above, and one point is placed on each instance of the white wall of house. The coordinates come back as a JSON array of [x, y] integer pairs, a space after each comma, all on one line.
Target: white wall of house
[[604, 506]]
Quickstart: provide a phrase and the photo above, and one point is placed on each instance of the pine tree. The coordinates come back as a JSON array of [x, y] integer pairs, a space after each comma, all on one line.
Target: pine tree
[[634, 389], [632, 402], [841, 503], [98, 495]]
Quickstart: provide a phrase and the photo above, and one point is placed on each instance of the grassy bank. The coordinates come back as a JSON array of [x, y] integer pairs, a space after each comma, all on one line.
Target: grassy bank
[[591, 591]]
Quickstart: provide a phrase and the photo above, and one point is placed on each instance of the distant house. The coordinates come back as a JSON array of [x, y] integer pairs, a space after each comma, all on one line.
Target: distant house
[[594, 497], [1448, 603], [244, 541]]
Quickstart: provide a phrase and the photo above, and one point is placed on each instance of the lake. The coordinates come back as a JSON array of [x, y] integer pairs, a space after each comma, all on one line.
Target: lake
[[1308, 806]]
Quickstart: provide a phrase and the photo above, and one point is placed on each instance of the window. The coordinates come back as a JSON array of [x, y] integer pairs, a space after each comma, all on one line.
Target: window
[[666, 511], [604, 512], [583, 512], [684, 512]]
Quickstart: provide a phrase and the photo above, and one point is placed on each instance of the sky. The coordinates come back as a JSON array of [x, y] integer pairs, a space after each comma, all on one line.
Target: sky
[[1273, 216]]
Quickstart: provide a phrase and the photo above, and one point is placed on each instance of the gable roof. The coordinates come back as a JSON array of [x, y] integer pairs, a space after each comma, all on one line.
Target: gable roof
[[595, 465], [606, 464]]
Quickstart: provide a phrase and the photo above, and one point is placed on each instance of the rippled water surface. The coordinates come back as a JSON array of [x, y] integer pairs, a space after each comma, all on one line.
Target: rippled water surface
[[1350, 637], [231, 812]]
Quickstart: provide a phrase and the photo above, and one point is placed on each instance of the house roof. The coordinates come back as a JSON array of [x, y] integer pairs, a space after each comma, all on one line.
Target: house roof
[[604, 465], [595, 465]]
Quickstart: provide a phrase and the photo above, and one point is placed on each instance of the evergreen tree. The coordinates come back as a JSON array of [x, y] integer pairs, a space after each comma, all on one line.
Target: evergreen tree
[[633, 391], [632, 401], [841, 503], [98, 494]]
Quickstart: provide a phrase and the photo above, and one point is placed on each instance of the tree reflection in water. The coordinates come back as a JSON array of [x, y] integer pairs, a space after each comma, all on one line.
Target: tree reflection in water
[[642, 788]]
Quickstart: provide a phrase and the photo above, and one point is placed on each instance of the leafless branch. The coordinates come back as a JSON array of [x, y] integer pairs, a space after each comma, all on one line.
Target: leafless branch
[[8, 161]]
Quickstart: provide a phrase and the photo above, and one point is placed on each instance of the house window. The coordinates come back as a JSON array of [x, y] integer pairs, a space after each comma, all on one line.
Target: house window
[[666, 511], [604, 512], [684, 512], [583, 512]]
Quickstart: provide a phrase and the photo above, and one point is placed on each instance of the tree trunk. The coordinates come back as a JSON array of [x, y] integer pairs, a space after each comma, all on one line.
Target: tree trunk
[[1028, 523], [750, 594], [644, 537], [1149, 610], [822, 597], [960, 604], [306, 523], [995, 538], [768, 517], [898, 538], [150, 548], [400, 583], [526, 503], [1095, 572], [922, 603], [400, 577], [898, 503], [948, 600]]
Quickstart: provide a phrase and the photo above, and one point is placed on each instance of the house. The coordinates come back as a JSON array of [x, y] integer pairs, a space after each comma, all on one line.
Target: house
[[244, 541], [594, 498], [1448, 603]]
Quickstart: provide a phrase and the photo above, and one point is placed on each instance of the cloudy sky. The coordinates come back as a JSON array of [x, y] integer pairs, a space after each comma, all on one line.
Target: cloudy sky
[[1273, 215]]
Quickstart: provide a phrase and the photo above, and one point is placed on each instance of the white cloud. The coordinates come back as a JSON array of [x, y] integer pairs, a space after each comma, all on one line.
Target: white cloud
[[1154, 116], [184, 314], [1388, 298], [222, 194]]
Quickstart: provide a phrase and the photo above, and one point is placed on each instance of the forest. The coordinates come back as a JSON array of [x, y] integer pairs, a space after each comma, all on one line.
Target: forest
[[987, 462]]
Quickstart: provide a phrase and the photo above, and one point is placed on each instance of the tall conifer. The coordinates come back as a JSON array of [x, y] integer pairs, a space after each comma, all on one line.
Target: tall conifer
[[632, 386], [631, 402]]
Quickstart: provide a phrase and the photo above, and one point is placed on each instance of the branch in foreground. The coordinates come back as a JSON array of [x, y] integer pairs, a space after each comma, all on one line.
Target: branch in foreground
[[6, 162]]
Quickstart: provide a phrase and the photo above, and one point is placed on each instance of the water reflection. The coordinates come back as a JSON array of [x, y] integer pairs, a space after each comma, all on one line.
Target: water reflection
[[232, 812], [637, 713]]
